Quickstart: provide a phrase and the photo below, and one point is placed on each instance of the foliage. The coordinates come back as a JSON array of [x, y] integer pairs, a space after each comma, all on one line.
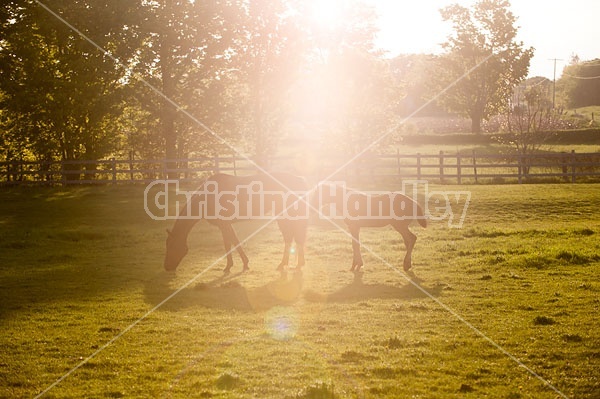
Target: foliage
[[361, 97], [60, 95], [580, 83], [181, 55], [483, 60], [347, 96], [531, 120], [191, 78], [266, 63], [414, 71], [246, 74]]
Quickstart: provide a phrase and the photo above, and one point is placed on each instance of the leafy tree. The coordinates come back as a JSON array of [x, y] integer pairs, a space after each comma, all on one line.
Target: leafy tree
[[362, 96], [347, 95], [531, 120], [483, 61], [414, 72], [60, 94], [268, 52], [580, 83], [182, 54]]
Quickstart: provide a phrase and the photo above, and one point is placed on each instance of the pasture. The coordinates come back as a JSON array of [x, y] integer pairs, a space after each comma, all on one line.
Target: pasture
[[83, 291]]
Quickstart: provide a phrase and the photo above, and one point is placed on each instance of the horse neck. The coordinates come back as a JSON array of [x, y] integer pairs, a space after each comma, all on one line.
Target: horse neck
[[183, 224]]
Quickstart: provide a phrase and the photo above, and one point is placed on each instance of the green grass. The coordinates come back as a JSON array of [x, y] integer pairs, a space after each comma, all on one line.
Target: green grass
[[586, 112], [81, 266]]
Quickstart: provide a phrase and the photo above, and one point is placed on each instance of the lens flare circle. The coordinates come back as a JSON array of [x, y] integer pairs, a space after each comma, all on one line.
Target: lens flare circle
[[282, 323]]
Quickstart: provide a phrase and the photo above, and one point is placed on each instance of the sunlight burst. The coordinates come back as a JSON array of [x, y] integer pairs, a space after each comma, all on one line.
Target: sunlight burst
[[327, 13]]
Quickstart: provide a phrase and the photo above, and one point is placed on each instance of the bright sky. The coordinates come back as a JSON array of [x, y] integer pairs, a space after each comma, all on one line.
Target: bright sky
[[556, 29]]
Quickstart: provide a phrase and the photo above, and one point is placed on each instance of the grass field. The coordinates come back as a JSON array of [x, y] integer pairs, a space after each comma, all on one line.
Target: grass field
[[502, 308]]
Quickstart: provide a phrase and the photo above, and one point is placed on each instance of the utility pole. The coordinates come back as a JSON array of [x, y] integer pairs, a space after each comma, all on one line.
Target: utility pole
[[554, 82]]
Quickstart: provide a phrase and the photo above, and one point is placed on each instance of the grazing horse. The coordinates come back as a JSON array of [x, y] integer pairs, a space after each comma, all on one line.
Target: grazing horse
[[241, 198], [372, 210]]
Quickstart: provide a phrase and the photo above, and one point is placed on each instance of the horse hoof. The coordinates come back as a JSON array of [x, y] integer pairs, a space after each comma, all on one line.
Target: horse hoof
[[281, 267]]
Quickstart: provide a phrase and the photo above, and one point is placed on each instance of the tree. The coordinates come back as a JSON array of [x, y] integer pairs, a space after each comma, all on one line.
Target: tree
[[580, 83], [483, 61], [414, 72], [182, 54], [361, 99], [267, 53], [530, 119], [347, 96], [60, 94]]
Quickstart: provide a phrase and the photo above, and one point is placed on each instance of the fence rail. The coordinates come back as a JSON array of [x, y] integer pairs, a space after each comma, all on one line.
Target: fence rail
[[444, 168]]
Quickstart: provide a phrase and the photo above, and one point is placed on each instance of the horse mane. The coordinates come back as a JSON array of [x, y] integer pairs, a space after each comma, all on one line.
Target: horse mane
[[183, 225]]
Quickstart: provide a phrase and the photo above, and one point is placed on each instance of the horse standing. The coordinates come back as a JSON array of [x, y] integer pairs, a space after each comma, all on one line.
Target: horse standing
[[372, 210], [275, 184]]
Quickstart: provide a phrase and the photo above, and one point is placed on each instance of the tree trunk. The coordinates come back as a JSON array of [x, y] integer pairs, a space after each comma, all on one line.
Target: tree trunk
[[168, 112], [476, 123]]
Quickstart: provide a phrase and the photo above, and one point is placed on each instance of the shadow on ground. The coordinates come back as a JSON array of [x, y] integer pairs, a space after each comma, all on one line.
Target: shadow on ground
[[358, 290], [227, 292]]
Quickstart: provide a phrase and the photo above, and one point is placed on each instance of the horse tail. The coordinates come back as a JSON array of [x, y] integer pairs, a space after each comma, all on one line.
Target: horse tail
[[421, 218]]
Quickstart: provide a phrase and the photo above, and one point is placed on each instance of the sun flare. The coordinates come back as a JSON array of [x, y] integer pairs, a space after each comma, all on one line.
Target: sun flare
[[327, 14]]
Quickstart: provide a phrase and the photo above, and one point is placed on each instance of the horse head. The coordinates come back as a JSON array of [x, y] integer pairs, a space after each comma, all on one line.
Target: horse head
[[176, 249]]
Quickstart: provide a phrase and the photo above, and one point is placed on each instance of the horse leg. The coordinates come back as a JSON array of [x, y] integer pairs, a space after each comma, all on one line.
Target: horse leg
[[287, 238], [409, 241], [227, 243], [357, 261], [299, 233], [300, 238], [236, 242]]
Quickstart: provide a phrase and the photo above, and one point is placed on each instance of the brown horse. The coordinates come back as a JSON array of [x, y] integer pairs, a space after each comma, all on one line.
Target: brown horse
[[372, 210], [242, 198]]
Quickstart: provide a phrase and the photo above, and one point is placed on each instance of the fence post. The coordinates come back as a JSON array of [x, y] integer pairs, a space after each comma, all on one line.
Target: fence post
[[520, 161], [564, 167], [113, 163], [131, 166], [418, 166], [474, 166], [441, 166], [573, 168], [458, 173], [63, 175]]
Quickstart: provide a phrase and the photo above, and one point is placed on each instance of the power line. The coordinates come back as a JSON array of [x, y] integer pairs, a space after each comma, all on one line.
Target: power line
[[581, 77]]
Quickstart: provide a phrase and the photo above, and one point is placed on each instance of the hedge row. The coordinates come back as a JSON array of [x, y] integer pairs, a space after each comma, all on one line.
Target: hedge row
[[579, 136]]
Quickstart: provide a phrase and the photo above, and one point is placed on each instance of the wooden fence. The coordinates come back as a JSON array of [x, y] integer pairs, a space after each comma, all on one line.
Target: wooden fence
[[440, 168]]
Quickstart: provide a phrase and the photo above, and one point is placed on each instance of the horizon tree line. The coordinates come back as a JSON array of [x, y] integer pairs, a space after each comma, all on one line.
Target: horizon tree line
[[252, 72]]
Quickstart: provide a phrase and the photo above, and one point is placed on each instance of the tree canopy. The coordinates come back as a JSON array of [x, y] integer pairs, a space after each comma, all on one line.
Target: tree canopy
[[580, 83], [173, 79], [483, 60], [191, 78]]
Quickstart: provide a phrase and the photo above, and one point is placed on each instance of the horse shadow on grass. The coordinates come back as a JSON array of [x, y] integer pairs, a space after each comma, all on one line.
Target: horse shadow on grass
[[358, 291], [226, 292]]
